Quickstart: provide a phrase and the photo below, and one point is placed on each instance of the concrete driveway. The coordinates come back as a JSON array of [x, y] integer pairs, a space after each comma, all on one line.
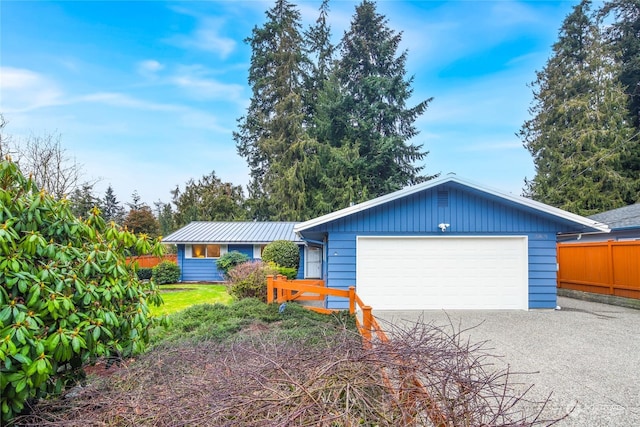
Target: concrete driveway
[[586, 353]]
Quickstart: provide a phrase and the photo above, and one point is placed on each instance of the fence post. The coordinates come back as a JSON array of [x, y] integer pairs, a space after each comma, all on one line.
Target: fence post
[[269, 289], [366, 324], [610, 262], [352, 299]]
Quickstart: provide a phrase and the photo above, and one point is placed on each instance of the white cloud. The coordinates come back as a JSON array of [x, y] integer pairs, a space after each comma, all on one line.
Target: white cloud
[[206, 36], [23, 90], [149, 67], [123, 100], [196, 82]]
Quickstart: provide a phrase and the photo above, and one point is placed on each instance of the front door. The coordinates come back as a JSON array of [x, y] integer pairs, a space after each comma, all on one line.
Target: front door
[[314, 262]]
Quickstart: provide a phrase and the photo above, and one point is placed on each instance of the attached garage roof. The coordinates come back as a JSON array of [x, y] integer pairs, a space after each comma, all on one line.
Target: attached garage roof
[[233, 232], [588, 224]]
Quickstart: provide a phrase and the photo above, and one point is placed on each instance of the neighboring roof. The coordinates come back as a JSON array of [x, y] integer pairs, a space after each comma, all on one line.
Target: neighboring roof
[[625, 217], [233, 232], [532, 204]]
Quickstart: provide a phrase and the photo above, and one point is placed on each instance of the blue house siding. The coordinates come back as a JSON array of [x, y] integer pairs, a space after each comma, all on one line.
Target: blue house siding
[[206, 270], [197, 269], [469, 212], [244, 249]]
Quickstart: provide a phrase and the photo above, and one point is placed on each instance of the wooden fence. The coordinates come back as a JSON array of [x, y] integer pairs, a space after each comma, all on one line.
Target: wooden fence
[[409, 388], [279, 289], [610, 268], [150, 261]]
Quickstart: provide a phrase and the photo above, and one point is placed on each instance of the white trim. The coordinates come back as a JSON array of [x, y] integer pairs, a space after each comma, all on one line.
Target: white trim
[[257, 250], [188, 250], [307, 249], [596, 225]]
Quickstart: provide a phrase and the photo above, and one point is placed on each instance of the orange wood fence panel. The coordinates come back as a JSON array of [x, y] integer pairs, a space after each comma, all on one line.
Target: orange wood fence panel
[[150, 261], [610, 268], [279, 289]]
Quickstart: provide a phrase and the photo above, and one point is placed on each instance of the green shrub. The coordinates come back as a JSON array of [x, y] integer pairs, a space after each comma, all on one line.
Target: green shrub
[[166, 272], [229, 260], [144, 273], [67, 295], [249, 280], [283, 252], [290, 273]]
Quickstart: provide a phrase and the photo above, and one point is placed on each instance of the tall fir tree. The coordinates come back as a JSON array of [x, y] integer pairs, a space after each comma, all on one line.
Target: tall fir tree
[[208, 199], [321, 52], [623, 38], [580, 135], [111, 208], [623, 35], [274, 120], [378, 123], [82, 200]]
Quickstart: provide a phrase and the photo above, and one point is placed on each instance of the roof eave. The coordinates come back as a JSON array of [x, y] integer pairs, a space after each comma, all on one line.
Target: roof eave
[[532, 204]]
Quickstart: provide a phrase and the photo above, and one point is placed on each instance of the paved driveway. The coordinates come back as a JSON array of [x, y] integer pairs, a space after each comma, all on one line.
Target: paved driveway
[[587, 354]]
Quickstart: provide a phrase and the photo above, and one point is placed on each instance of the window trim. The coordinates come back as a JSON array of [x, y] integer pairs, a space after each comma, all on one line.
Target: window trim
[[188, 250]]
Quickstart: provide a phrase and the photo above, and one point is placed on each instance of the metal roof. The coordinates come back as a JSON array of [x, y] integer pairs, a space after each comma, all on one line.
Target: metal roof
[[532, 204], [233, 232], [625, 217]]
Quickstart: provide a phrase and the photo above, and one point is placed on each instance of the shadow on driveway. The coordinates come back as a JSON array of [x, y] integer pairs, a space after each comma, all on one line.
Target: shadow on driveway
[[586, 354]]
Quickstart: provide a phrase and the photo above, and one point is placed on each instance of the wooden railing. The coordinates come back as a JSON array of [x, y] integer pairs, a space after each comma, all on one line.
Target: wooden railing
[[279, 289], [150, 261], [610, 268], [410, 388]]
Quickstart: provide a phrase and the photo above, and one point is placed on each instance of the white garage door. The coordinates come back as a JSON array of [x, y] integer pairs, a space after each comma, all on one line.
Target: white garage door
[[422, 273]]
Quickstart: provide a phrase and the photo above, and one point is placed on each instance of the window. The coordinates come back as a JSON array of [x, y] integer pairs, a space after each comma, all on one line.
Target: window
[[257, 251], [205, 251]]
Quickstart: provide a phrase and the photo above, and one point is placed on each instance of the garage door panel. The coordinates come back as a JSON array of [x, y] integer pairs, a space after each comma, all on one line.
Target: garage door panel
[[442, 273]]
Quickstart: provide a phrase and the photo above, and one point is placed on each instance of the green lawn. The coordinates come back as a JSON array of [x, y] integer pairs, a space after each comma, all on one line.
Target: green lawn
[[180, 296]]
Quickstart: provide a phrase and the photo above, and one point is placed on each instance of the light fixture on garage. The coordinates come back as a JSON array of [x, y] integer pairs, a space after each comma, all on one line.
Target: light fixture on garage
[[443, 227]]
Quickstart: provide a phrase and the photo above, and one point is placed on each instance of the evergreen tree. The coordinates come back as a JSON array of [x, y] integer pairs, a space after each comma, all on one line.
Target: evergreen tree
[[624, 37], [378, 122], [165, 216], [579, 135], [209, 199], [274, 120], [111, 208], [82, 200], [136, 203], [321, 54]]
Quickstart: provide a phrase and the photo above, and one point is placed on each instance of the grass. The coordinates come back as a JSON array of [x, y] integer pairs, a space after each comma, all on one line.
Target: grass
[[218, 322], [181, 296]]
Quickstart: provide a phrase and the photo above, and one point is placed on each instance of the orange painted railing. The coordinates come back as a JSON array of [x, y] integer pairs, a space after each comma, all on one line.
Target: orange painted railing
[[610, 268], [280, 289], [150, 261]]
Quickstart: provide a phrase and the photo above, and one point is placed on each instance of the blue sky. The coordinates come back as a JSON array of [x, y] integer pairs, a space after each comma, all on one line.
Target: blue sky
[[146, 94]]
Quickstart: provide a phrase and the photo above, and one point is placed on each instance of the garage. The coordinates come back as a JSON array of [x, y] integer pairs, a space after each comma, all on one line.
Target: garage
[[446, 243], [452, 272]]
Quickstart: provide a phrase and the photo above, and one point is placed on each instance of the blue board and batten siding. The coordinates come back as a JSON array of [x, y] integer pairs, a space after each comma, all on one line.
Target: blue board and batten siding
[[468, 211], [206, 269]]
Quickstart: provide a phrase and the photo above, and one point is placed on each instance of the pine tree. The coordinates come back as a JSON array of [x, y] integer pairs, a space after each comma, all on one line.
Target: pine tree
[[208, 199], [624, 37], [165, 216], [82, 200], [274, 120], [375, 91], [321, 55], [111, 208], [579, 135]]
